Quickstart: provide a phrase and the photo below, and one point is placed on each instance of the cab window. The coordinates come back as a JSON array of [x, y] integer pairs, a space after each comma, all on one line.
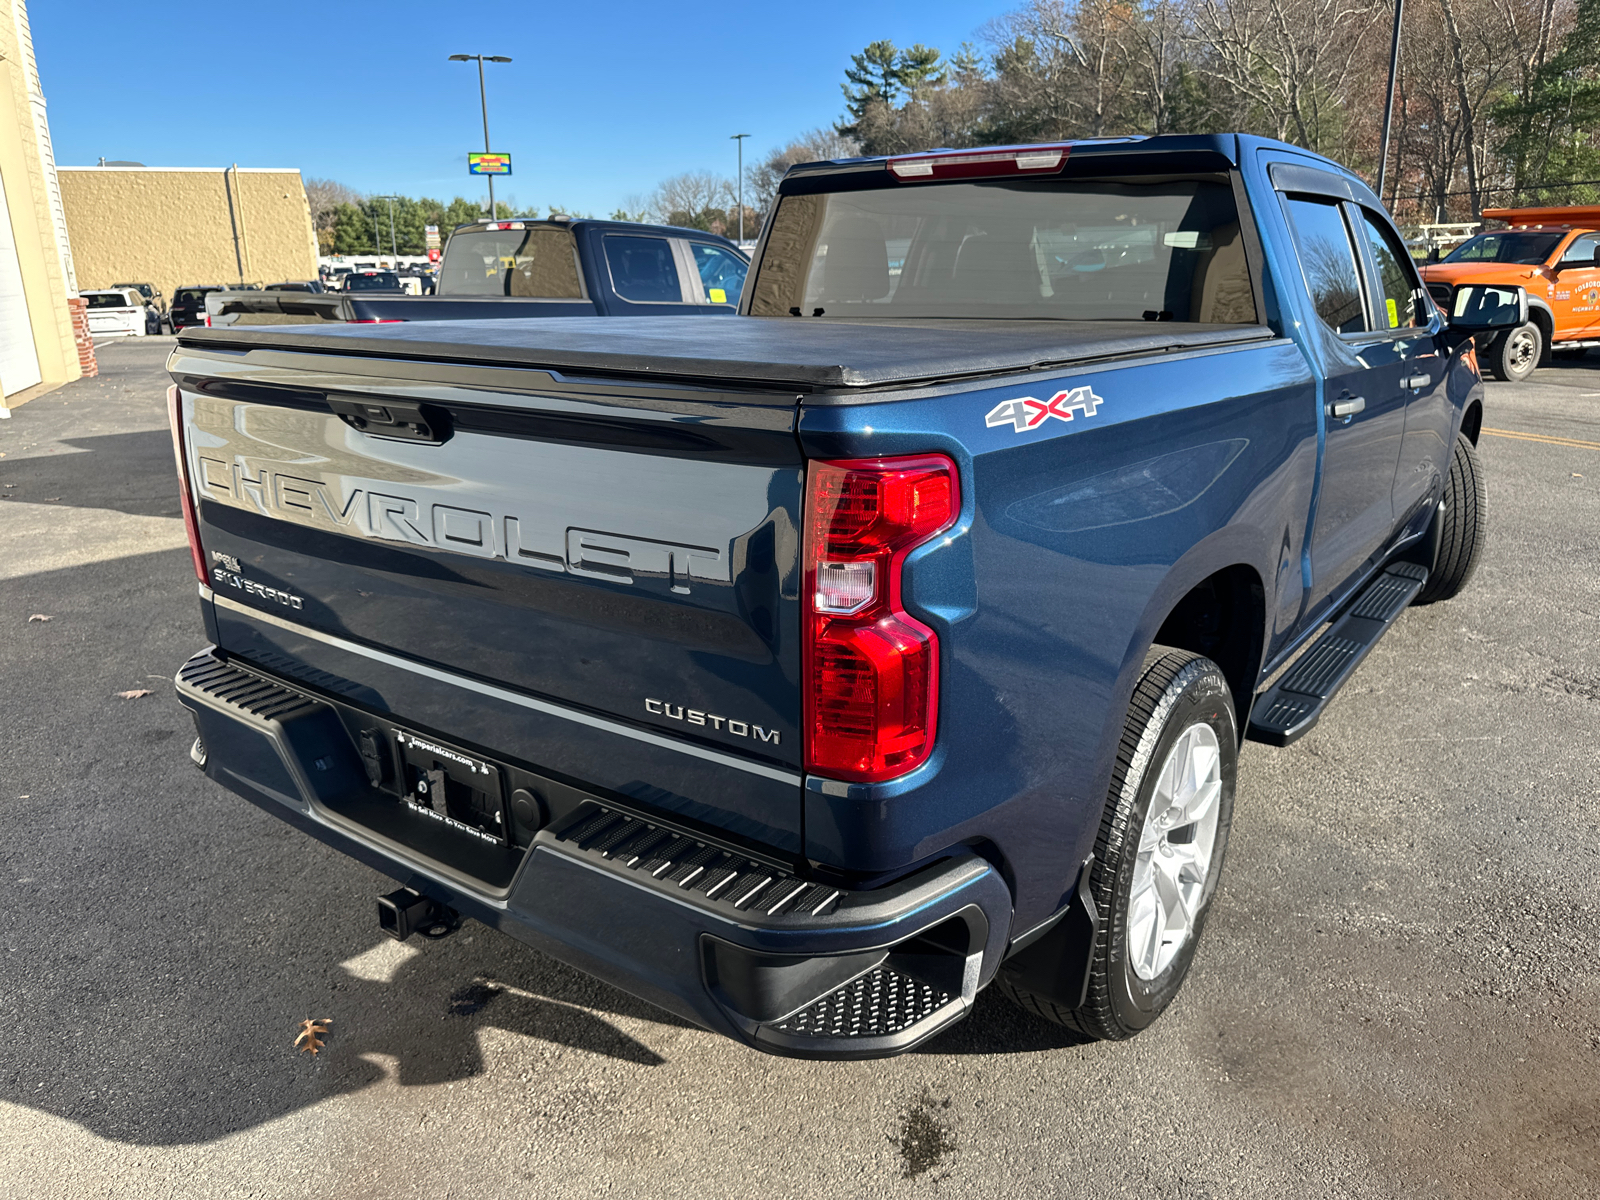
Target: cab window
[[643, 269], [1328, 262], [1398, 306], [1582, 250], [721, 271]]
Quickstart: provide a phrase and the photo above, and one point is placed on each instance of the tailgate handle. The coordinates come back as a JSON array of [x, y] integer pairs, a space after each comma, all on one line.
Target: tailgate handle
[[403, 420]]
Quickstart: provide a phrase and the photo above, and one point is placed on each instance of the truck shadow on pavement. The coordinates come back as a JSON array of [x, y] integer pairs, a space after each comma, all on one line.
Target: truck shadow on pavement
[[130, 473], [162, 939]]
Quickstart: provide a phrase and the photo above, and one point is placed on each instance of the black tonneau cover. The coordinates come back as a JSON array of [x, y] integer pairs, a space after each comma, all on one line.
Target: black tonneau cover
[[787, 352]]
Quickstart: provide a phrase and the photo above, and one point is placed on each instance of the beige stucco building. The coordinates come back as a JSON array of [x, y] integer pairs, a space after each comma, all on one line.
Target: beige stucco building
[[173, 226], [41, 345]]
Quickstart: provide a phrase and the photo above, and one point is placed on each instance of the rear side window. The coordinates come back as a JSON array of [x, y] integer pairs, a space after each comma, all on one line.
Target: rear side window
[[643, 269], [721, 272], [1328, 262], [536, 264], [1396, 275]]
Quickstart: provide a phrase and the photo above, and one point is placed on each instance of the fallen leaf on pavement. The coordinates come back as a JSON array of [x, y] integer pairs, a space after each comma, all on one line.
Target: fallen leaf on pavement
[[39, 617], [134, 693], [311, 1032]]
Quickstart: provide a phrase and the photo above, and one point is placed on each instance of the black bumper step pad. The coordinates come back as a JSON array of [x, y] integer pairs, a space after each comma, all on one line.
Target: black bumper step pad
[[1292, 706], [250, 694], [880, 1003], [719, 875]]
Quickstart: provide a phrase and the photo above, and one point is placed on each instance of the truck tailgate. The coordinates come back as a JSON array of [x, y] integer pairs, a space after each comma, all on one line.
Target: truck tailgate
[[624, 555]]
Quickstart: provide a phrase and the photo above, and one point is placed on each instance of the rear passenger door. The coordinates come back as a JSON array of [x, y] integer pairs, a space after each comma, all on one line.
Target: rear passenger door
[[1364, 402]]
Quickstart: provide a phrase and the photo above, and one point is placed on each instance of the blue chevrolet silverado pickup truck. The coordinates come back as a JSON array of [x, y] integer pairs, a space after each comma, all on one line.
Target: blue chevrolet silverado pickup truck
[[807, 671], [528, 268]]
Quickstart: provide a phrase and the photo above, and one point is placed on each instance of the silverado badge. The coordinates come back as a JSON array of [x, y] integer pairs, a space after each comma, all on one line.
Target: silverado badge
[[1025, 413]]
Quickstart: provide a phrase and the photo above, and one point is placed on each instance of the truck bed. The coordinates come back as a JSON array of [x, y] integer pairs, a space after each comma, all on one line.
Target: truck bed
[[759, 351]]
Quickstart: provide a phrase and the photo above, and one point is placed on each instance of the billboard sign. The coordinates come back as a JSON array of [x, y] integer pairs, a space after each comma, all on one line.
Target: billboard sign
[[430, 236], [481, 162]]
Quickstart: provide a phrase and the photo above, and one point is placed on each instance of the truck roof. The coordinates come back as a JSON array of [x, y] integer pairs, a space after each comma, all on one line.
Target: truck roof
[[757, 351]]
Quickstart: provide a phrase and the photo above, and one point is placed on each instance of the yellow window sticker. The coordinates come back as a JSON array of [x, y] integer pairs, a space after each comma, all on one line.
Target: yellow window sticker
[[1394, 315], [718, 296]]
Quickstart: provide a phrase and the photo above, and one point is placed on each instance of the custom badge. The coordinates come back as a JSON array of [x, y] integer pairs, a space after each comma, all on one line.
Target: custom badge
[[1025, 413]]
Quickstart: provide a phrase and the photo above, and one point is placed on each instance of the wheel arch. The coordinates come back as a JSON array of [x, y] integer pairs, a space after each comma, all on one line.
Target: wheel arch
[[1472, 420], [1539, 314], [1224, 617], [1213, 601]]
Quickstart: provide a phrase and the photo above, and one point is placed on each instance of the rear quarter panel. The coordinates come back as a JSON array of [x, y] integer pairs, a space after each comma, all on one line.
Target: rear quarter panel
[[1075, 540]]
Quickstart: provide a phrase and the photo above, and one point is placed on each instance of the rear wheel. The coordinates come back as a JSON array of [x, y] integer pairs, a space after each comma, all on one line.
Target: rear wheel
[[1513, 355], [1462, 520], [1160, 848]]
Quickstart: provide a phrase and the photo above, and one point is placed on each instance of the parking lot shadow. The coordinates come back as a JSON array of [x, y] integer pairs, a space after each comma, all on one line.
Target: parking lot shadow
[[127, 472], [163, 939]]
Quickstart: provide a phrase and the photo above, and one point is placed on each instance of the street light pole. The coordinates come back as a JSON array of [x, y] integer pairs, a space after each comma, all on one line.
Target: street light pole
[[1388, 98], [377, 243], [483, 98], [394, 249], [738, 140]]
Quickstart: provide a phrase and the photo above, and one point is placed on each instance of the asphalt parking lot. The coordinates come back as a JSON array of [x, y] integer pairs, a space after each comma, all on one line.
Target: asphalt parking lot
[[1398, 994]]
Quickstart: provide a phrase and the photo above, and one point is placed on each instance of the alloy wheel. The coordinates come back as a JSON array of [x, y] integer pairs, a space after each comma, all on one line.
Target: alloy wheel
[[1175, 852]]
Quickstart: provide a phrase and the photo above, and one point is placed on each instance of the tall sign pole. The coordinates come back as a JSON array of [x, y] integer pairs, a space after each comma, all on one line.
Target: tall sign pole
[[1388, 98], [738, 140], [483, 99]]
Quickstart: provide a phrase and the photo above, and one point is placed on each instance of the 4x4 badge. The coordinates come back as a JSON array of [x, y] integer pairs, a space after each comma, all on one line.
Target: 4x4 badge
[[1026, 413]]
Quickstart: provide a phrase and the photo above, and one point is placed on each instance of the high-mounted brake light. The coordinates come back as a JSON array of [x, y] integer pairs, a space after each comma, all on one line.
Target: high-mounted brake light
[[376, 321], [872, 669], [1013, 160], [492, 225], [191, 521]]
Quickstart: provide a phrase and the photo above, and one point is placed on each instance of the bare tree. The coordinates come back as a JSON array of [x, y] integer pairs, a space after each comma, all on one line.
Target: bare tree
[[1293, 60], [817, 145], [692, 192], [325, 196]]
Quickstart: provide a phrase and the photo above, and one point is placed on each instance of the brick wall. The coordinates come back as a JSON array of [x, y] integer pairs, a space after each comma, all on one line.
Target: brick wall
[[79, 307]]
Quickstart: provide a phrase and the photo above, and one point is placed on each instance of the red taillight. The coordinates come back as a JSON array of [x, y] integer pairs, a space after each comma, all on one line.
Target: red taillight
[[208, 320], [191, 522], [969, 164], [872, 669]]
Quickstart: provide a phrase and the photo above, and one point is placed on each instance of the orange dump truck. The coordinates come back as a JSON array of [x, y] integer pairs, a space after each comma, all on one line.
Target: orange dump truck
[[1552, 253]]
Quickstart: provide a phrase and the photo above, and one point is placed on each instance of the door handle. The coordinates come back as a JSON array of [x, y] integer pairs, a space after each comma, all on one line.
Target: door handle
[[1419, 381], [1347, 406]]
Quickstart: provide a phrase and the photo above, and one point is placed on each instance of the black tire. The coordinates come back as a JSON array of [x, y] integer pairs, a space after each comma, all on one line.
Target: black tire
[[1176, 691], [1517, 353], [1463, 520]]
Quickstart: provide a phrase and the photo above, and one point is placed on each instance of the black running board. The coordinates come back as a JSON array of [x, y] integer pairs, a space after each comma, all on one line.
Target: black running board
[[1291, 707]]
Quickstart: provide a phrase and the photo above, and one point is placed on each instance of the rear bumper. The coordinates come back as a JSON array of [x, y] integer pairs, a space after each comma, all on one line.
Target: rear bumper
[[740, 947]]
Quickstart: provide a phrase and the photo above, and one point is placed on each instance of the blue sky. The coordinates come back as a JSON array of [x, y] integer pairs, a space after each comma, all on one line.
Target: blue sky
[[602, 101]]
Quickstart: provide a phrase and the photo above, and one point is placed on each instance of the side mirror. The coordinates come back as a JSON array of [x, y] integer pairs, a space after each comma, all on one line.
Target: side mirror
[[1434, 255]]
